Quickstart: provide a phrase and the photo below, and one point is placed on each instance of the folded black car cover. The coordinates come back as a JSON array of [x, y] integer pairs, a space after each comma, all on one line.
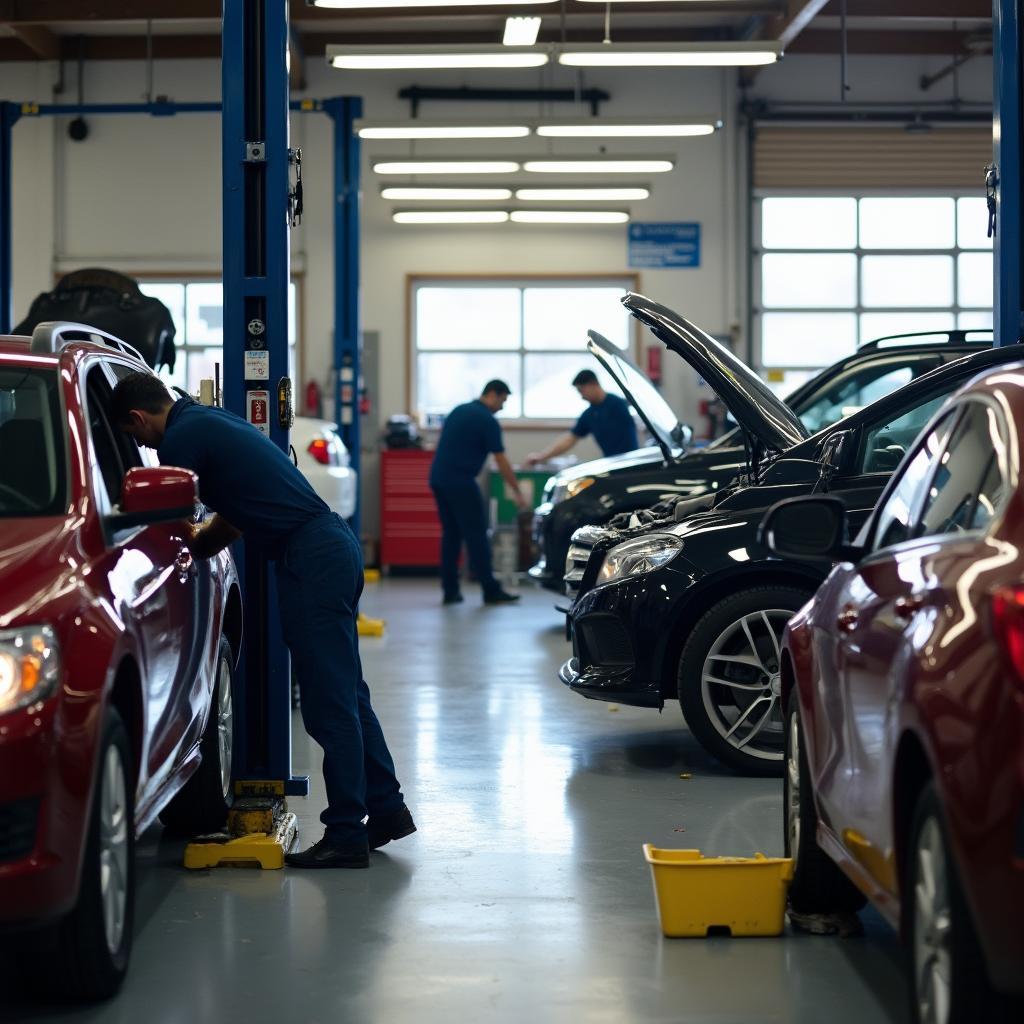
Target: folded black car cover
[[113, 303]]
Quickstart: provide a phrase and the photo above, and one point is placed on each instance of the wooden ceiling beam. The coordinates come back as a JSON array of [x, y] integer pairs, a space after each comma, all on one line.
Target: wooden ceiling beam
[[39, 39], [942, 44]]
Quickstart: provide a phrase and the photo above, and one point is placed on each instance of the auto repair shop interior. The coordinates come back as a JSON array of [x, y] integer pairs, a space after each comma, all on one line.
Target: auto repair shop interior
[[731, 728]]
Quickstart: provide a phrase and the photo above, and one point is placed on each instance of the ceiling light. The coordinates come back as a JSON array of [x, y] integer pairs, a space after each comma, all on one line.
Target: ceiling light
[[446, 167], [633, 55], [570, 216], [383, 58], [521, 31], [586, 195], [442, 131], [598, 166], [449, 216], [361, 4], [624, 131], [473, 194]]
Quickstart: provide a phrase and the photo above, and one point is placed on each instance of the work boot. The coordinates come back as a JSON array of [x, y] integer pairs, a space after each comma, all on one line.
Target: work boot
[[500, 597], [380, 831], [455, 598], [328, 854]]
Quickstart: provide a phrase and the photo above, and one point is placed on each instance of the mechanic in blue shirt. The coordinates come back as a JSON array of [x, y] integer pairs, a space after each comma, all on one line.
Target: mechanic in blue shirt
[[256, 491], [471, 432], [608, 418]]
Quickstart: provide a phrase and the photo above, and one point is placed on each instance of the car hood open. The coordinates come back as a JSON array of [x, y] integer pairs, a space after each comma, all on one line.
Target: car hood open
[[762, 416]]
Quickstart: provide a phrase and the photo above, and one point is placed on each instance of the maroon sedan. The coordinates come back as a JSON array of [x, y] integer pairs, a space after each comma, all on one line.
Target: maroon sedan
[[116, 657], [904, 682]]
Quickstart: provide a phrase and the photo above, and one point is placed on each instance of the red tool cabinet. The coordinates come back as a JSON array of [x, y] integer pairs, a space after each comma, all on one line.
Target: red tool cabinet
[[410, 532]]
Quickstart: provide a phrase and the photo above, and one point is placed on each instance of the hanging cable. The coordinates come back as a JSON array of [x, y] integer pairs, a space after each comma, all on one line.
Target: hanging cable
[[607, 24]]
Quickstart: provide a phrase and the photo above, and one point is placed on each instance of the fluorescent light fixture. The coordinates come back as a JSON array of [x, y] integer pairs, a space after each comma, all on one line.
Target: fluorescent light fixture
[[597, 130], [384, 58], [355, 5], [445, 194], [598, 166], [449, 216], [442, 131], [583, 195], [663, 55], [446, 167], [569, 216], [521, 31]]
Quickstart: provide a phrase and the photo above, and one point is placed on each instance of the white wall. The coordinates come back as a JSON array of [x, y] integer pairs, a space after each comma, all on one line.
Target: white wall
[[143, 194]]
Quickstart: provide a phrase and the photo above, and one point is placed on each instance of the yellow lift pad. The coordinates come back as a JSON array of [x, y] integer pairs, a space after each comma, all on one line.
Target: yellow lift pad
[[369, 627]]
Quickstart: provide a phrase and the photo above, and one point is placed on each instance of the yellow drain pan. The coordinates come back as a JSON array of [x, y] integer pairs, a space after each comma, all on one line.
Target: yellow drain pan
[[696, 894]]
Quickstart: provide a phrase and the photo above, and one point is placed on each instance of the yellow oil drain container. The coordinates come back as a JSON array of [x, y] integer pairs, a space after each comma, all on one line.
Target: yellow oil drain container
[[697, 894]]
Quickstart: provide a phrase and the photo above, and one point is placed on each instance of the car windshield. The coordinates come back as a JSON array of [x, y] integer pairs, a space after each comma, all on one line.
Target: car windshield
[[852, 393], [31, 443]]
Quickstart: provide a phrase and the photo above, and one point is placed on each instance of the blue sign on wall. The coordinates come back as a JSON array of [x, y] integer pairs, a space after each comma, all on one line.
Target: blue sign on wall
[[664, 245]]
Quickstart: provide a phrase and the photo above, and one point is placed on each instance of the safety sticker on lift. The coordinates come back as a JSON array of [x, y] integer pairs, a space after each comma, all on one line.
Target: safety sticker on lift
[[259, 410]]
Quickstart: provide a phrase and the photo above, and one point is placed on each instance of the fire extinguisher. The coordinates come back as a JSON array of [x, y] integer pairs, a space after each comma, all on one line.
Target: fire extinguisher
[[314, 400]]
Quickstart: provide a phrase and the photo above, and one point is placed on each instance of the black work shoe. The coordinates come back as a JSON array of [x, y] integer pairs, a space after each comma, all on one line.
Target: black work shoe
[[380, 831], [500, 597], [326, 854], [453, 599]]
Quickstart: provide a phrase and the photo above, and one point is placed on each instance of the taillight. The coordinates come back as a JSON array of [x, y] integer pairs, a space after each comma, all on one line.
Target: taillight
[[320, 450], [1008, 625]]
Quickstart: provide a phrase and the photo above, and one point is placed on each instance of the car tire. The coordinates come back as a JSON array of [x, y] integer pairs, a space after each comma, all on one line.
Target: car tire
[[85, 955], [953, 961], [818, 885], [734, 633], [201, 806]]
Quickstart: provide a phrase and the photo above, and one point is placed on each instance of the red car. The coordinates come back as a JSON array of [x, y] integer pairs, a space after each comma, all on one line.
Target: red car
[[117, 653], [904, 683]]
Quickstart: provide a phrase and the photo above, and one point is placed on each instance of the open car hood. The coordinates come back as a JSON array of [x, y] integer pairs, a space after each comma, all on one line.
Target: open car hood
[[763, 418], [659, 419]]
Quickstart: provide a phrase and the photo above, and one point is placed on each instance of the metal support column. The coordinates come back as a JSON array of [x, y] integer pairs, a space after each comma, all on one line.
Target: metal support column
[[343, 111], [256, 272], [9, 114], [1008, 131]]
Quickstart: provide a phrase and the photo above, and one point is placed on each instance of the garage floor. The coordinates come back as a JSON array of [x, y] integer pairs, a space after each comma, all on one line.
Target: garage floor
[[524, 896]]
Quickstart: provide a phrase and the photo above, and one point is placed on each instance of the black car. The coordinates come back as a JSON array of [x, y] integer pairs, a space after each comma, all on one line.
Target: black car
[[594, 492], [681, 602]]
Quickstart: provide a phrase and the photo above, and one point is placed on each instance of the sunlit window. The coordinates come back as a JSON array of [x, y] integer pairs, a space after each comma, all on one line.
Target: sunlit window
[[530, 333], [835, 272]]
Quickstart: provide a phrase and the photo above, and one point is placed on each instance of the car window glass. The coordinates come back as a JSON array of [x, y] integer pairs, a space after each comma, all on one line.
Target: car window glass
[[105, 443], [885, 444], [967, 486], [895, 517], [846, 396]]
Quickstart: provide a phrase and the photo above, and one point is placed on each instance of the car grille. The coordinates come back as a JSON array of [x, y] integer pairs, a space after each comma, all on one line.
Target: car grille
[[18, 829], [603, 640]]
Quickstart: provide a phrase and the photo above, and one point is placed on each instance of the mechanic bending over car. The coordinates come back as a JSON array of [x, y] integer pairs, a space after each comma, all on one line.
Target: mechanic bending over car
[[470, 433], [254, 490], [608, 418]]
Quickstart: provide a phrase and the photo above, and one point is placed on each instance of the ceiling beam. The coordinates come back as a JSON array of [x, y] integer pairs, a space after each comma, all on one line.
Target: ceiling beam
[[942, 44], [39, 39], [787, 26], [943, 9]]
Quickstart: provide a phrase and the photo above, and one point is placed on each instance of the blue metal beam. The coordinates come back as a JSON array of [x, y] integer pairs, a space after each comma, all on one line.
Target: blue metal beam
[[1008, 130]]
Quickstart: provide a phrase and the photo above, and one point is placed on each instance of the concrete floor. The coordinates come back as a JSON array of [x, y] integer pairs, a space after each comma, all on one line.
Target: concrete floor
[[524, 896]]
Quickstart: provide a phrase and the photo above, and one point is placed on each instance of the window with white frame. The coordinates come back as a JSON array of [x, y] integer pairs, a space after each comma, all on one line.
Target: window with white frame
[[530, 333], [197, 309], [834, 272]]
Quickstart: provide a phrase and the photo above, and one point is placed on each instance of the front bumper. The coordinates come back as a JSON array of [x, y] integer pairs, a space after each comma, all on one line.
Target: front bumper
[[614, 685]]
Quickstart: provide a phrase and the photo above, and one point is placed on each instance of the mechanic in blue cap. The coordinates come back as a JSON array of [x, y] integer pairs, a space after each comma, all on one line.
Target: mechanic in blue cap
[[607, 417], [470, 433], [255, 491]]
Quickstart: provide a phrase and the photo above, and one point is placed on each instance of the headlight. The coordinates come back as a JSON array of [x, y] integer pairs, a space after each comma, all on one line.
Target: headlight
[[561, 492], [29, 665], [635, 557]]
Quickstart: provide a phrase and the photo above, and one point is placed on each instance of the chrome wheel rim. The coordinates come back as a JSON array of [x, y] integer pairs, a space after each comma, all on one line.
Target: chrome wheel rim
[[793, 790], [932, 927], [741, 684], [225, 725], [114, 827]]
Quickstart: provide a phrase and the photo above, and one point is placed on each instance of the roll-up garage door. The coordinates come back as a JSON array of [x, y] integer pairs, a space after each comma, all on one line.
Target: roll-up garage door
[[862, 158]]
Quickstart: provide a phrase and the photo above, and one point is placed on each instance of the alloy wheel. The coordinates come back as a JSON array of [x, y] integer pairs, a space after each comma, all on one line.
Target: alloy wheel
[[793, 789], [741, 684], [114, 827], [225, 725], [932, 927]]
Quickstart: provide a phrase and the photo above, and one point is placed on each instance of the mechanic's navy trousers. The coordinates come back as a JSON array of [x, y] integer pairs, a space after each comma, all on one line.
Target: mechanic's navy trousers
[[319, 580], [460, 507]]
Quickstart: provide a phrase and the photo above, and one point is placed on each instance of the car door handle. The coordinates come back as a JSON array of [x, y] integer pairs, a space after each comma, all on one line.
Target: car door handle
[[905, 606], [847, 619], [185, 564]]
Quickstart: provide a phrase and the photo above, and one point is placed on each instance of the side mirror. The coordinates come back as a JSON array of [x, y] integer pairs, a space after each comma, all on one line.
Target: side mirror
[[835, 447], [808, 529], [154, 494], [682, 434]]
